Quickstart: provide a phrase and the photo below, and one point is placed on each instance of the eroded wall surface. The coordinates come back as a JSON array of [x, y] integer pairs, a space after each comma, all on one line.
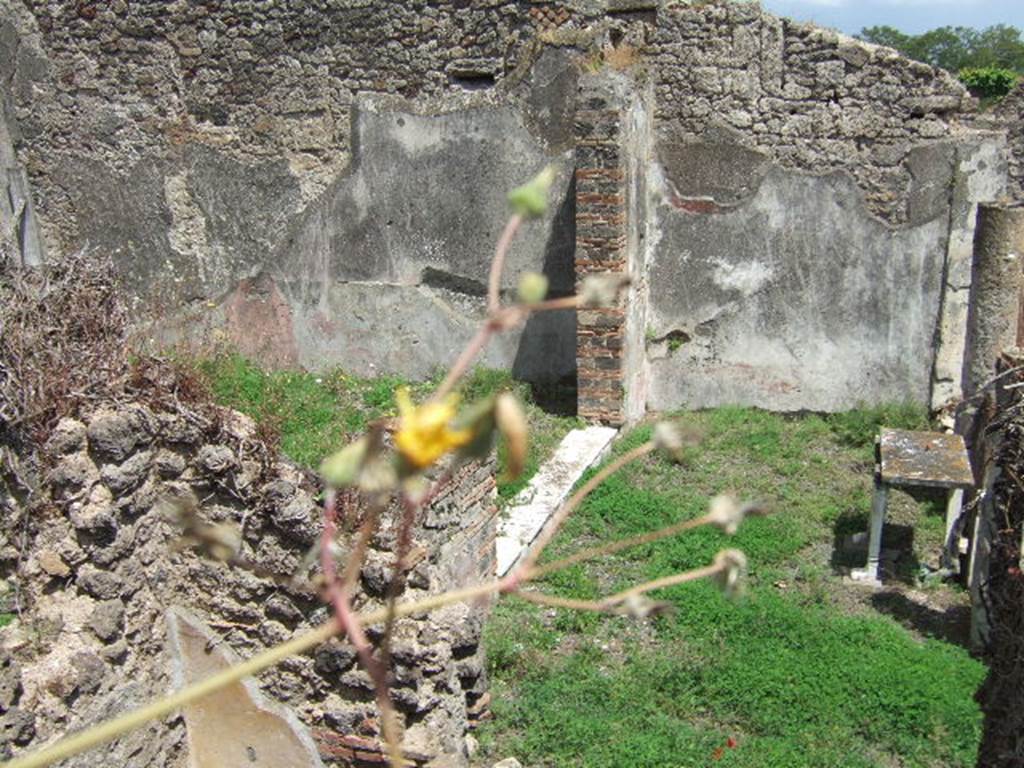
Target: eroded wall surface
[[796, 298], [104, 570], [325, 182], [1011, 113], [812, 194]]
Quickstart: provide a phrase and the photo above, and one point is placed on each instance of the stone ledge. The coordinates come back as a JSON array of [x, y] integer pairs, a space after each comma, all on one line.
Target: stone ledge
[[534, 505]]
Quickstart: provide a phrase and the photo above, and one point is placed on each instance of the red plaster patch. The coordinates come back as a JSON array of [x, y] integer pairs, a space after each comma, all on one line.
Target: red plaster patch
[[702, 205], [259, 322]]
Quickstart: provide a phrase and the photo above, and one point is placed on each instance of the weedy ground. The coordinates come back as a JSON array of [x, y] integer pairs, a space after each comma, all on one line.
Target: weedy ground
[[807, 670], [315, 414]]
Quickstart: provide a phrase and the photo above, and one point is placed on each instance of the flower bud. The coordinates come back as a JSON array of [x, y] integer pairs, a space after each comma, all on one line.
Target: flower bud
[[672, 439], [342, 467], [533, 287], [531, 199], [602, 290], [733, 574], [726, 514], [511, 421]]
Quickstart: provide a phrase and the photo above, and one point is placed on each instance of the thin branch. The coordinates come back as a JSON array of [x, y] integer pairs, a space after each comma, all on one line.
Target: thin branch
[[500, 320], [495, 322], [358, 553], [340, 595], [404, 539], [548, 305], [554, 601], [612, 602], [558, 519], [498, 263], [662, 583], [618, 546], [461, 365]]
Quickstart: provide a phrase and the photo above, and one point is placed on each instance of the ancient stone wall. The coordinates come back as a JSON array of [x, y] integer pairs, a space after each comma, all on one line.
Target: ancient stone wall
[[98, 565], [325, 182], [809, 246], [795, 95], [1010, 113], [236, 158]]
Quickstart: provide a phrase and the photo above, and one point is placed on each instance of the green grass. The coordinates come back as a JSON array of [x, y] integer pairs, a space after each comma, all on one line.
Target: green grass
[[798, 676], [5, 619], [859, 427], [315, 414]]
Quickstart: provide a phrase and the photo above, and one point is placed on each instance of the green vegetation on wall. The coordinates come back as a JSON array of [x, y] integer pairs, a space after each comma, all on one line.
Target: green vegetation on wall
[[989, 61], [989, 82]]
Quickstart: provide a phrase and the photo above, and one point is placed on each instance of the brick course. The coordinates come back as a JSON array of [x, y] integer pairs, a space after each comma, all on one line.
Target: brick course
[[600, 248]]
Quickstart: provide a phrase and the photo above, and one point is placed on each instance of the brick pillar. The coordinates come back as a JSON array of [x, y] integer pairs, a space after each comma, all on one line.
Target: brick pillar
[[601, 247]]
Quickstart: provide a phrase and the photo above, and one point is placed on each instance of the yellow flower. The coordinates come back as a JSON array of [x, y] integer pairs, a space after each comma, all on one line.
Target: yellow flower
[[424, 432]]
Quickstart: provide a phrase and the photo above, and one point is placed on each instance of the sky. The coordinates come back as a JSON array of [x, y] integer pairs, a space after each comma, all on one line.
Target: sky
[[912, 16]]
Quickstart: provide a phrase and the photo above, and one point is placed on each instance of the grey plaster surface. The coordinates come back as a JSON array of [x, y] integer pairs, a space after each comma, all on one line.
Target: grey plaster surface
[[797, 298], [405, 241], [980, 176]]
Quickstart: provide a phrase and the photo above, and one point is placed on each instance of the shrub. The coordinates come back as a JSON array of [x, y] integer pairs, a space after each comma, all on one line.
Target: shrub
[[989, 82]]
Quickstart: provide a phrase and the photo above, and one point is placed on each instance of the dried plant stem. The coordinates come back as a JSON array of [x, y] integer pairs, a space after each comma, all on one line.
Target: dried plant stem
[[618, 546], [340, 594], [498, 263], [663, 583], [554, 601], [461, 365], [566, 302], [501, 319], [611, 602], [404, 539], [495, 321], [558, 519], [354, 563]]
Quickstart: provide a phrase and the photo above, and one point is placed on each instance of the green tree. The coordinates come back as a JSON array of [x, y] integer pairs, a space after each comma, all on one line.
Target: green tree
[[955, 48], [1000, 46], [888, 36], [951, 48]]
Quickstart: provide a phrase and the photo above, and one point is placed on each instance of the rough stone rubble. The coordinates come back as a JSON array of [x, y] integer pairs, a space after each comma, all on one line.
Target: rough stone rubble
[[97, 570]]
